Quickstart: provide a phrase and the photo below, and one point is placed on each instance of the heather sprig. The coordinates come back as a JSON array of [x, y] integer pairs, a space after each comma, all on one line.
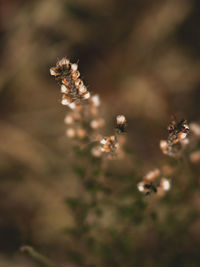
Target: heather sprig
[[177, 138], [84, 121]]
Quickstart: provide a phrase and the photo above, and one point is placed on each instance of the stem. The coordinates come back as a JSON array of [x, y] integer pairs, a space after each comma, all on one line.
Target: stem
[[41, 260]]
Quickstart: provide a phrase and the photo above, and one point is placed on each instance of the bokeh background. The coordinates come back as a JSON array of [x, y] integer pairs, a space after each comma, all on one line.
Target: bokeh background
[[142, 58]]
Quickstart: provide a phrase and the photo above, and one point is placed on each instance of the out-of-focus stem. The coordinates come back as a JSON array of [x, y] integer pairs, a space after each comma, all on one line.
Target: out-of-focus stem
[[41, 260]]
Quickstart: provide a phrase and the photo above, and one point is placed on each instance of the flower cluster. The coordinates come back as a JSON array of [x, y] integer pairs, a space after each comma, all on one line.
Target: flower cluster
[[72, 87], [177, 138], [83, 120], [154, 182], [84, 117], [110, 145]]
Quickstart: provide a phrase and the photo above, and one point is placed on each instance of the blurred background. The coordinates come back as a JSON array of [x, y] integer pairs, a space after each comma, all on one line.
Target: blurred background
[[142, 58]]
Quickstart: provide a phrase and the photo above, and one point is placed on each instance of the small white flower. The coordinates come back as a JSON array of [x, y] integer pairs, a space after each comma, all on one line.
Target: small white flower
[[121, 119], [52, 72], [95, 100], [165, 184], [64, 89], [163, 144], [65, 101], [74, 67], [87, 95], [72, 105], [103, 141], [64, 61], [140, 186], [82, 89]]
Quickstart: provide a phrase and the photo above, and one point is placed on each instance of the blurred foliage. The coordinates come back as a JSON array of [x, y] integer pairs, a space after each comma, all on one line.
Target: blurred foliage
[[142, 57]]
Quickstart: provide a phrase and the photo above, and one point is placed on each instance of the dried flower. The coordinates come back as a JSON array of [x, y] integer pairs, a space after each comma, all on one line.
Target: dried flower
[[178, 131], [146, 187], [153, 182], [121, 124], [109, 144], [84, 118], [67, 74]]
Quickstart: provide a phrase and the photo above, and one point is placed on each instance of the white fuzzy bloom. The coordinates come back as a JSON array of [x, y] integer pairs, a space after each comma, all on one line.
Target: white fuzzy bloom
[[163, 144], [82, 89], [52, 72], [87, 95], [103, 141], [140, 186], [165, 184], [64, 89], [186, 126], [121, 119], [95, 100], [65, 102], [64, 61], [74, 67], [72, 105]]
